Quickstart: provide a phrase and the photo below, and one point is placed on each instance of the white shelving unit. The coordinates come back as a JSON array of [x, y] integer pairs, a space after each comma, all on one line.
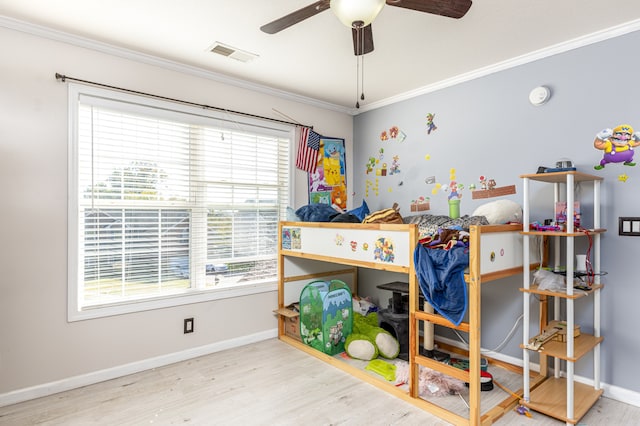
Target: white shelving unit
[[559, 395]]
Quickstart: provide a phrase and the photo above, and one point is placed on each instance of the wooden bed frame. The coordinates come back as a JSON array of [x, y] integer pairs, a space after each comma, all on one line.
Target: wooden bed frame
[[495, 251]]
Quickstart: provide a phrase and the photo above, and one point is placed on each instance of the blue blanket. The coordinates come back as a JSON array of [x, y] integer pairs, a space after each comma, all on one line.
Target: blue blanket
[[441, 277]]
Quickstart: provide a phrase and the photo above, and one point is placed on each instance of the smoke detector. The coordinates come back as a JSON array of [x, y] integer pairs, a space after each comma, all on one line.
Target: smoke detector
[[232, 52]]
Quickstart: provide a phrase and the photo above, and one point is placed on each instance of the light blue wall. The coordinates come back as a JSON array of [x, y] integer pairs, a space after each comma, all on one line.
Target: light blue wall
[[488, 127]]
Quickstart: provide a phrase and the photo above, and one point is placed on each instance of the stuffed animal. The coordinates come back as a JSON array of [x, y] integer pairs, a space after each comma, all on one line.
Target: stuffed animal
[[363, 306], [391, 215], [367, 340]]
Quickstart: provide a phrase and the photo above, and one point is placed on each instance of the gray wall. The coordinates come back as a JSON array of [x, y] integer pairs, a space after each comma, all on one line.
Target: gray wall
[[40, 352], [488, 127]]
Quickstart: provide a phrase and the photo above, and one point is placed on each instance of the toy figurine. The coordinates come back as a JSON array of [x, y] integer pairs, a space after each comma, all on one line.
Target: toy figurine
[[617, 145]]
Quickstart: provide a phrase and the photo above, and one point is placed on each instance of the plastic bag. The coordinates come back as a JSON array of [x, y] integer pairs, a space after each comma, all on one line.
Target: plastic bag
[[547, 280]]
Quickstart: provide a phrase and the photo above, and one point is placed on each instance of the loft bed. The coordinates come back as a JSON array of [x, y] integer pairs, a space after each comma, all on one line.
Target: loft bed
[[495, 251]]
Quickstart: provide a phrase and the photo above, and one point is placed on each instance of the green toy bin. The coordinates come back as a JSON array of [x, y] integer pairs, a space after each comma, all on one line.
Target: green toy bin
[[326, 315]]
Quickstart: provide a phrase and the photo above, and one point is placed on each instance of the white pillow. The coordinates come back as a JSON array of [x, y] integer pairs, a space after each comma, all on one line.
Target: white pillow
[[500, 211]]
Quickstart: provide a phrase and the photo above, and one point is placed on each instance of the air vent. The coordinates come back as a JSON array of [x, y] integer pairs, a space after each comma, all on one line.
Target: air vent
[[232, 52]]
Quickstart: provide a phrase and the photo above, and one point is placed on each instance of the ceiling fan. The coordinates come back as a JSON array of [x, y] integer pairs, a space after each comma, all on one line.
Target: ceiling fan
[[358, 15]]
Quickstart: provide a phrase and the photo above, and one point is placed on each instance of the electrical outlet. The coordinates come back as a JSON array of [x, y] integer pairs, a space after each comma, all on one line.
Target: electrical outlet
[[629, 226], [188, 325]]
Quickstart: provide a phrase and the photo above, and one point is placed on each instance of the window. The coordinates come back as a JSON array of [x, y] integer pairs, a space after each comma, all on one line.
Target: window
[[170, 204]]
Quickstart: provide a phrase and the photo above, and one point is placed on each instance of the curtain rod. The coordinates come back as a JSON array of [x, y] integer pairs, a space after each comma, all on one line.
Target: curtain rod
[[62, 78]]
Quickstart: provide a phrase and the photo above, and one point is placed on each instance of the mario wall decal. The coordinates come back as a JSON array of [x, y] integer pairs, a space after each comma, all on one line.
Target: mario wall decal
[[617, 144]]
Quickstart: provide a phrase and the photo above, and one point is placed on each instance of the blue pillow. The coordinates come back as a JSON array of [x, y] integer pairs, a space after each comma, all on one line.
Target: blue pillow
[[360, 212], [292, 216], [316, 213]]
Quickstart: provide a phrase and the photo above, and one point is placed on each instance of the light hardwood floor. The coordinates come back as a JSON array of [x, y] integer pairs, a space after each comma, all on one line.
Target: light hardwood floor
[[266, 383]]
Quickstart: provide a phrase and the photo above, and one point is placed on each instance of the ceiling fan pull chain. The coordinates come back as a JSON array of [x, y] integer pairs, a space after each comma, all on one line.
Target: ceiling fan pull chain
[[357, 81], [358, 37], [362, 78]]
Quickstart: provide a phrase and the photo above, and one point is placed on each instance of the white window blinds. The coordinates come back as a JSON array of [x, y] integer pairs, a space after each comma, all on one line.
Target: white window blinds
[[171, 200]]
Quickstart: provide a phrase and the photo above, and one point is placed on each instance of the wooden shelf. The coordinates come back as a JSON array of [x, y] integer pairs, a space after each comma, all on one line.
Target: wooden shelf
[[561, 177], [550, 398], [554, 395], [576, 295], [582, 345], [565, 234]]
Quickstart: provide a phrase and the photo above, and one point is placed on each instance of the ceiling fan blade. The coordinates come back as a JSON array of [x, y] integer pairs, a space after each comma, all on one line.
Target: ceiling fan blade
[[295, 17], [449, 8], [362, 40]]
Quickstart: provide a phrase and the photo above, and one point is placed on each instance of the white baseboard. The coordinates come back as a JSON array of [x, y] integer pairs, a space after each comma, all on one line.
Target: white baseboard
[[51, 388], [612, 392]]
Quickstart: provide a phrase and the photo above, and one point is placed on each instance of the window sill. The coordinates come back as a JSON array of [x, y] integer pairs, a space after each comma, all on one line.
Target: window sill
[[100, 311]]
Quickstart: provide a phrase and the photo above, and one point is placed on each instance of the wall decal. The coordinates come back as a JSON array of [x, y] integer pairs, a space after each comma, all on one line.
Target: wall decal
[[617, 144], [371, 164], [383, 168], [623, 177], [420, 204], [393, 133], [489, 189], [373, 186], [395, 166], [431, 127], [454, 193]]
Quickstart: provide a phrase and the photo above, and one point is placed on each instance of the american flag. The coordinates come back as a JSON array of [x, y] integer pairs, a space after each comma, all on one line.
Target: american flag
[[308, 147]]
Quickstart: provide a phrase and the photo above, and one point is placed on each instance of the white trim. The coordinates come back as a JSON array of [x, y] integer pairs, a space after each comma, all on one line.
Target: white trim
[[75, 40], [620, 394], [616, 393], [69, 383], [121, 52], [612, 392], [73, 247], [546, 52], [76, 309], [168, 301]]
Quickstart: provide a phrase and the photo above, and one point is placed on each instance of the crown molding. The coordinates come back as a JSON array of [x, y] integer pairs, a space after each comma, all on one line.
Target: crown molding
[[133, 55], [556, 49], [109, 49]]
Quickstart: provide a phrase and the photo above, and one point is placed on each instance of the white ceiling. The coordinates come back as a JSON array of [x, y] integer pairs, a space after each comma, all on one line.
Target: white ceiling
[[315, 58]]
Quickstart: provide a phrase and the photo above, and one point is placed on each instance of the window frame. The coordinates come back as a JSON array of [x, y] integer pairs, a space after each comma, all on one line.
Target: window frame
[[76, 312]]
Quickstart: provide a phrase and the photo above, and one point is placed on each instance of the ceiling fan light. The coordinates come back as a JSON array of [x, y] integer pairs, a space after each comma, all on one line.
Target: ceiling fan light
[[361, 11]]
